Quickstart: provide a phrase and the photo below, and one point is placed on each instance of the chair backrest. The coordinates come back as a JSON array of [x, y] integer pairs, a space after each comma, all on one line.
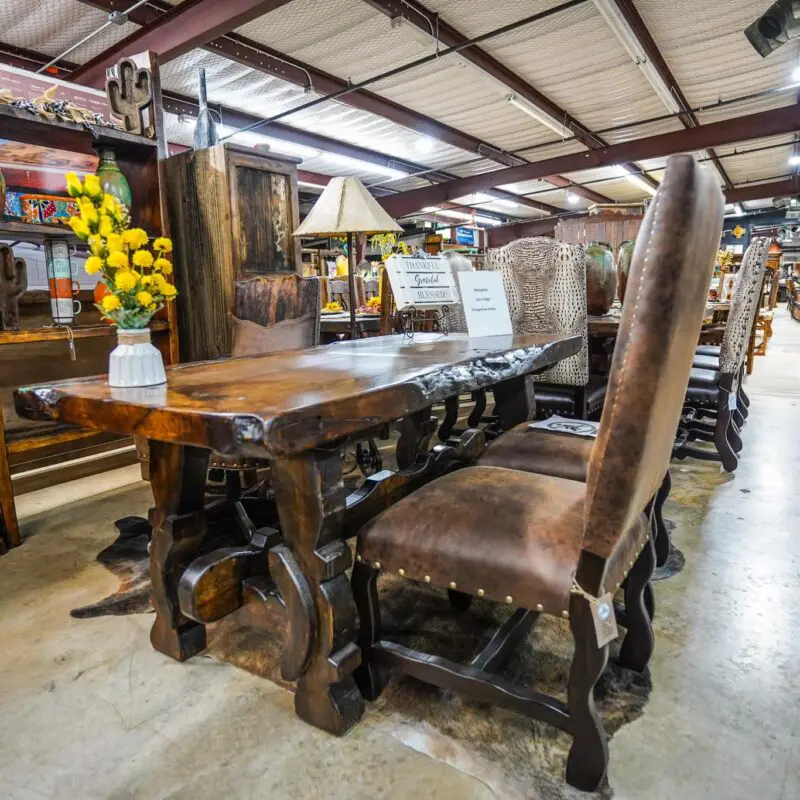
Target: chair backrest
[[661, 318], [270, 299], [745, 303], [454, 319], [371, 288], [545, 282], [339, 291]]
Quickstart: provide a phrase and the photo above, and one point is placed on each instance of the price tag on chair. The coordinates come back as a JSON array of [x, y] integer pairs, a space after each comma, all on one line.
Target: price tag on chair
[[584, 428], [485, 304], [605, 621], [732, 405]]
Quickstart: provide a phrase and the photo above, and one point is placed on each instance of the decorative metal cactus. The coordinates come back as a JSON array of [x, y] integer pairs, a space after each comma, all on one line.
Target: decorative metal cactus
[[13, 282], [129, 94], [205, 132]]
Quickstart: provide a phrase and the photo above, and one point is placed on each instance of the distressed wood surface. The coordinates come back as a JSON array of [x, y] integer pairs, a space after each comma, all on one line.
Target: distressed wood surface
[[286, 403]]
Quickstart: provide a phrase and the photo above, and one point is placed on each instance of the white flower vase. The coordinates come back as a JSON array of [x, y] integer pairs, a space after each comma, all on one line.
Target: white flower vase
[[135, 361]]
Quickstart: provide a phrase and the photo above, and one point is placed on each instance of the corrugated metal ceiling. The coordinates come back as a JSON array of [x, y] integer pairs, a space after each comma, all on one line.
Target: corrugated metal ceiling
[[572, 57]]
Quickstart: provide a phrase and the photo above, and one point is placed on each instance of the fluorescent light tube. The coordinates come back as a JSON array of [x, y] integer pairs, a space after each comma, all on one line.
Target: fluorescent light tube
[[636, 180], [539, 115]]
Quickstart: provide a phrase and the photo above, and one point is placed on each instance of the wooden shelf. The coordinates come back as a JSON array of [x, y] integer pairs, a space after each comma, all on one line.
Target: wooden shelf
[[61, 334], [30, 232], [23, 126]]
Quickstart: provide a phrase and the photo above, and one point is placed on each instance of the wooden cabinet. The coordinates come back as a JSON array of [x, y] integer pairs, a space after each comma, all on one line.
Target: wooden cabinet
[[232, 213]]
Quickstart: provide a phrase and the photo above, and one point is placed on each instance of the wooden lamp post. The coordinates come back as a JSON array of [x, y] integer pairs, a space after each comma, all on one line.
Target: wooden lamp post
[[345, 207]]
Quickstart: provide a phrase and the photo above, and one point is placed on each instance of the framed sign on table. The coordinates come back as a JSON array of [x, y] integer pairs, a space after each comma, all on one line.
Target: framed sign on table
[[425, 283]]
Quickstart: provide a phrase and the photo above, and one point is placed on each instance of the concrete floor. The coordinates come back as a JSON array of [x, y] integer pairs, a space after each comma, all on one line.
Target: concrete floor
[[88, 710]]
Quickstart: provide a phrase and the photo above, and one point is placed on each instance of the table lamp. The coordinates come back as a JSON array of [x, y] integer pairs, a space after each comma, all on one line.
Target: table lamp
[[346, 207]]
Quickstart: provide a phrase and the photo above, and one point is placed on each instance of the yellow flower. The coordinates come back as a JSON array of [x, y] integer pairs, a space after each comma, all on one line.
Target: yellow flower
[[96, 244], [106, 227], [169, 291], [144, 299], [146, 280], [89, 214], [163, 245], [114, 243], [143, 258], [160, 282], [135, 238], [92, 186], [79, 228], [110, 303], [74, 185], [125, 280], [93, 264], [110, 205], [152, 307], [117, 260], [163, 265]]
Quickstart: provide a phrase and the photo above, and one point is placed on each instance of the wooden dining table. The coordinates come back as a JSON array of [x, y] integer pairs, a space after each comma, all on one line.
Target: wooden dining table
[[297, 410]]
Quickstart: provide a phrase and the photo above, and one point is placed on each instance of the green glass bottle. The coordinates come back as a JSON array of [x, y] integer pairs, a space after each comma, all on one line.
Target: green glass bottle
[[111, 178]]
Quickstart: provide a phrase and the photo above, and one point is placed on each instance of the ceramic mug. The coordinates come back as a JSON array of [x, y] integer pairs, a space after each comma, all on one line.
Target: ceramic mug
[[61, 282]]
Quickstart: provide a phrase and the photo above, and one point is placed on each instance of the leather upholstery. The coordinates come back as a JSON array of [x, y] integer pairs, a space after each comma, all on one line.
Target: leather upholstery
[[705, 362], [544, 452], [707, 350], [661, 318], [565, 400], [527, 527], [703, 387], [523, 535]]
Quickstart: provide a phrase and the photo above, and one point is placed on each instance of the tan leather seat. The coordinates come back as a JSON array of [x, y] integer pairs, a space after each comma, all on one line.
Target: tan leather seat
[[528, 527], [540, 451]]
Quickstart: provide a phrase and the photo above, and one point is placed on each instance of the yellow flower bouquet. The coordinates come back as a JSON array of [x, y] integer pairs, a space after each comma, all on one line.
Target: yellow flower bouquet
[[133, 271]]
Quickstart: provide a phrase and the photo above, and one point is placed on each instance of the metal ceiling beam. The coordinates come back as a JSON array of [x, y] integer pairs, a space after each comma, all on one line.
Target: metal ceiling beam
[[182, 104], [191, 24], [650, 48], [762, 191], [430, 23], [256, 56], [730, 131]]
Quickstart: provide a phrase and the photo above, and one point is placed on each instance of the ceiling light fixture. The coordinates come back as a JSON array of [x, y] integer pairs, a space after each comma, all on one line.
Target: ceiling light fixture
[[636, 180], [481, 197], [544, 119], [278, 145], [738, 210], [367, 166], [572, 198], [610, 12], [488, 220], [311, 185], [424, 145], [430, 209], [794, 159]]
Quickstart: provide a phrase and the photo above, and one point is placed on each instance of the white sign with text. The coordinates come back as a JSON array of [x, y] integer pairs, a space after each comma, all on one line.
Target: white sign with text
[[421, 282], [485, 304]]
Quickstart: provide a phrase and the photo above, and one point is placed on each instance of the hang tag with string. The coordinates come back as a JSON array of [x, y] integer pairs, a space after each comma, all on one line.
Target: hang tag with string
[[603, 616]]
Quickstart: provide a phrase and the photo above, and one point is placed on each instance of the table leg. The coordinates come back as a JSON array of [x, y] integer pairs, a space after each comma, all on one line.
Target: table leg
[[514, 401], [311, 503], [178, 478], [9, 528]]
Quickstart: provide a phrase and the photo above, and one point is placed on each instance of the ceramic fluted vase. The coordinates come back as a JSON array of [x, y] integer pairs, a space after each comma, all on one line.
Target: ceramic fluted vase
[[601, 278], [111, 178], [135, 361], [624, 267]]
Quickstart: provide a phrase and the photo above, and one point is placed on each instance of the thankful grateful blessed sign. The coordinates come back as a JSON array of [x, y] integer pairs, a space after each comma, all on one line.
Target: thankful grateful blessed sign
[[421, 282]]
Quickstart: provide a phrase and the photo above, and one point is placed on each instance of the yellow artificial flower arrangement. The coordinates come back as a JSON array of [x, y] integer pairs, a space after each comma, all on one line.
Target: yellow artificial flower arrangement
[[133, 275]]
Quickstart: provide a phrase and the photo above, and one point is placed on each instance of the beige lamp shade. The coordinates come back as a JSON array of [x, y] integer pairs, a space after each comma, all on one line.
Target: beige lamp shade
[[346, 207]]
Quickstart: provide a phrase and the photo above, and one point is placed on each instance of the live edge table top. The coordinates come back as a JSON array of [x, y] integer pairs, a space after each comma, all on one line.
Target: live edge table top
[[286, 403]]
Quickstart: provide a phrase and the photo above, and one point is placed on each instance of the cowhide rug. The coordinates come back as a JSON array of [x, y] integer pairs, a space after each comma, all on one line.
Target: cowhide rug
[[516, 756]]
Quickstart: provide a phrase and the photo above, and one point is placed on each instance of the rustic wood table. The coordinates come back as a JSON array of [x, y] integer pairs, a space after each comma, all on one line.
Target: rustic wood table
[[297, 409]]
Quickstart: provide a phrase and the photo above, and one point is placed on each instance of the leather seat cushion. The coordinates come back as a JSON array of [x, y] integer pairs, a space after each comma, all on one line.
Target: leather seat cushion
[[509, 533], [703, 386], [544, 452], [708, 350], [560, 399], [706, 362]]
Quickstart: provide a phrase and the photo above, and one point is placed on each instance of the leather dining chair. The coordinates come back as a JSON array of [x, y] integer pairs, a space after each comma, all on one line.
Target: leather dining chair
[[550, 545], [716, 390], [545, 283]]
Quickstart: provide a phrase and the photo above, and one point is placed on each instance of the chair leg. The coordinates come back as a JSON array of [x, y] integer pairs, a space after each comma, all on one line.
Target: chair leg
[[588, 756], [737, 417], [734, 439], [726, 453], [743, 396], [364, 582], [649, 598], [637, 646], [662, 539]]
